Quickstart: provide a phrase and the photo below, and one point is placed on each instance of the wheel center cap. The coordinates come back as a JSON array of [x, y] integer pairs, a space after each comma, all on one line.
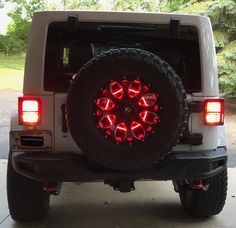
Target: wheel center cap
[[127, 110]]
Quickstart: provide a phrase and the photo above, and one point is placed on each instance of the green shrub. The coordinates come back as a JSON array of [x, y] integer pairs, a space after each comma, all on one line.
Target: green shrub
[[226, 60]]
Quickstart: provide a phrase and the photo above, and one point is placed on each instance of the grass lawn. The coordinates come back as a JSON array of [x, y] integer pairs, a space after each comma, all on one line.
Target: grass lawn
[[11, 72]]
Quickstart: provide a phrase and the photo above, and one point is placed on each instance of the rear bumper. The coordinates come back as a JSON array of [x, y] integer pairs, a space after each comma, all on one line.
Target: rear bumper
[[71, 168]]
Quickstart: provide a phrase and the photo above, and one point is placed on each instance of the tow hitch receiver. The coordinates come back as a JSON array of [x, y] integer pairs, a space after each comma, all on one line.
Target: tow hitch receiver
[[123, 185], [52, 188], [198, 185]]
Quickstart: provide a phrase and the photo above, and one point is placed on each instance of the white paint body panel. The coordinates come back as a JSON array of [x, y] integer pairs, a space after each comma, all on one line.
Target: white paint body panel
[[51, 119], [63, 141]]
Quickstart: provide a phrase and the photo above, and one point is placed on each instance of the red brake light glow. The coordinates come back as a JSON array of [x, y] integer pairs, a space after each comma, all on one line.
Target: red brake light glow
[[29, 111], [213, 113]]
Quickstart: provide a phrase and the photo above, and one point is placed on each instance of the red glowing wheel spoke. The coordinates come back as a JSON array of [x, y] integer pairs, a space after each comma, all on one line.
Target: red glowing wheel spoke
[[105, 104], [134, 88], [120, 132], [116, 106], [148, 100], [137, 130], [107, 121], [148, 117], [117, 90]]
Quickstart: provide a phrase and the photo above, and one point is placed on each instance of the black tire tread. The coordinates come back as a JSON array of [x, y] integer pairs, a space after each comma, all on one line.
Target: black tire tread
[[27, 200], [199, 203]]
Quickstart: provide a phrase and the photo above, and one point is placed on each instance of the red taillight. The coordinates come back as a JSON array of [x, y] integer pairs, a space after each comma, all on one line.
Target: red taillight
[[213, 112], [29, 111]]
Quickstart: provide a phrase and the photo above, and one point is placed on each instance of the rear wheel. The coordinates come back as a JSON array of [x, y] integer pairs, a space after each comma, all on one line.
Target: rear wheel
[[205, 202], [27, 200]]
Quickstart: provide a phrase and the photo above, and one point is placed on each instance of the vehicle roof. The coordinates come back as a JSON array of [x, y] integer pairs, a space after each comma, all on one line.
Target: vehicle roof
[[116, 14]]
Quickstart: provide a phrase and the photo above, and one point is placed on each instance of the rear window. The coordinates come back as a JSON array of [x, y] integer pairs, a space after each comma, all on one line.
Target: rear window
[[67, 52]]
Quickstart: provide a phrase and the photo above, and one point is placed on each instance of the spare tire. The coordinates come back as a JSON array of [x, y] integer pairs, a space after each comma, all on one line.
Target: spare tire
[[127, 108]]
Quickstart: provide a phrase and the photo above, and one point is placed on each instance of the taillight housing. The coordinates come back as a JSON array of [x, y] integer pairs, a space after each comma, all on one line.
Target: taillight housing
[[213, 112], [29, 111]]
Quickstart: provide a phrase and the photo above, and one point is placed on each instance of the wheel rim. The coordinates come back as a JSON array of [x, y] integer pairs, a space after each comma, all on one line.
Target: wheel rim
[[127, 111]]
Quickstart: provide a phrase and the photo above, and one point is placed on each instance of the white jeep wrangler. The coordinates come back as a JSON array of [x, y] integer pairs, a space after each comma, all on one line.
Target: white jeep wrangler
[[118, 97]]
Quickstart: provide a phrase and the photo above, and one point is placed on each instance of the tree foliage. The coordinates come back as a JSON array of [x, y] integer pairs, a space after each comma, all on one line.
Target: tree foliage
[[136, 5], [15, 40], [18, 29], [76, 4], [223, 18]]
